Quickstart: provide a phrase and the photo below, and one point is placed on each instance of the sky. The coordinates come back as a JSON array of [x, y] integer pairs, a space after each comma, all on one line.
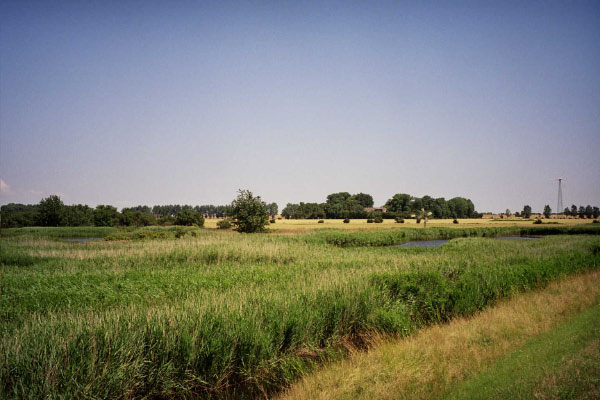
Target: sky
[[147, 102]]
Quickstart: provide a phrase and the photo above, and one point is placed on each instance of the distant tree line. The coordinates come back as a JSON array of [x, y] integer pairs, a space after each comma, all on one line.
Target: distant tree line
[[343, 205], [338, 205], [209, 211], [582, 212], [51, 211]]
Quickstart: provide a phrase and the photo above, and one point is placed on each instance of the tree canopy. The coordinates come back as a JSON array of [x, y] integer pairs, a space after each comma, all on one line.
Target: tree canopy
[[547, 211], [249, 213], [51, 211]]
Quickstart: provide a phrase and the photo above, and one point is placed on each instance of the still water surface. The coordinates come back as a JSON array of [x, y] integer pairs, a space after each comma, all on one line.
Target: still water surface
[[438, 243], [82, 239]]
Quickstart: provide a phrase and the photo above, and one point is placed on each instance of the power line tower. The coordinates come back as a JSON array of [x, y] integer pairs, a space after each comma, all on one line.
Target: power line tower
[[559, 203]]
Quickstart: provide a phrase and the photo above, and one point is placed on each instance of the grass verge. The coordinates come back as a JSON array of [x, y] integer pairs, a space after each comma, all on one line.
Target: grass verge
[[519, 375]]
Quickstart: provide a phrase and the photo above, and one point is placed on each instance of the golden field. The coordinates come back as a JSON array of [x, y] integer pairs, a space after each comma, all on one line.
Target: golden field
[[361, 224]]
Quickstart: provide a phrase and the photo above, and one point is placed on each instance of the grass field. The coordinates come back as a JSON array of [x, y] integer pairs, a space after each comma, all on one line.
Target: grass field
[[171, 312]]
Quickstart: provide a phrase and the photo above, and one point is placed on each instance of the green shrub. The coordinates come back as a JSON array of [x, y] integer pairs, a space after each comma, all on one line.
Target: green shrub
[[249, 213], [378, 219], [346, 221], [189, 218], [321, 221], [455, 221], [272, 220], [370, 221], [224, 224], [399, 220], [537, 221]]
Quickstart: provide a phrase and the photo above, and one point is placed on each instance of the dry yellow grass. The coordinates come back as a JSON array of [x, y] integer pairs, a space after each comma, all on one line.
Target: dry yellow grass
[[428, 364], [355, 224]]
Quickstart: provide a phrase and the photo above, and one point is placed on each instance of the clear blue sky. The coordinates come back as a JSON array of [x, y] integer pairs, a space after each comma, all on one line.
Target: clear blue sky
[[142, 102]]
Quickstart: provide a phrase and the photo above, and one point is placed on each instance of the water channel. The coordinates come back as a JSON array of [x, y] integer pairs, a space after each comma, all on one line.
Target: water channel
[[439, 242], [82, 239]]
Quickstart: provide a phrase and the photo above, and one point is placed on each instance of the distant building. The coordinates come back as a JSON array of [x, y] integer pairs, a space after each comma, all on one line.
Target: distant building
[[373, 209]]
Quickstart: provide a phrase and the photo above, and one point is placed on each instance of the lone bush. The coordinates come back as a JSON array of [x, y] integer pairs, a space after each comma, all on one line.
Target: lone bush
[[321, 221], [537, 221], [346, 221], [370, 221], [272, 221], [189, 218], [399, 220], [455, 221], [224, 224], [249, 213], [378, 220]]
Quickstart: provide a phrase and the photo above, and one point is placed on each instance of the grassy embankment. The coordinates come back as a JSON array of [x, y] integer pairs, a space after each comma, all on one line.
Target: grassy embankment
[[225, 314], [544, 344]]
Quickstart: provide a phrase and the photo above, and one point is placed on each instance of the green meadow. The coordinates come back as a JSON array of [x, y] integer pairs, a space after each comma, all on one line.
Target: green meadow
[[187, 312]]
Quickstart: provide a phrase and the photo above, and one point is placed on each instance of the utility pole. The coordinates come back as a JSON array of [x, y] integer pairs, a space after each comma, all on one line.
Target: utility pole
[[559, 203]]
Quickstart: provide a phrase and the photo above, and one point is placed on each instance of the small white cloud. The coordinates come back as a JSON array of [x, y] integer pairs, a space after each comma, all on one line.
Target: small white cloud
[[4, 187]]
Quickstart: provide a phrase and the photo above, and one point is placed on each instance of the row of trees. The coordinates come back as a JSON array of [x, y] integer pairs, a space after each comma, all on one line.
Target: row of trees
[[406, 205], [51, 211], [338, 205], [344, 205], [581, 212], [208, 211], [172, 210]]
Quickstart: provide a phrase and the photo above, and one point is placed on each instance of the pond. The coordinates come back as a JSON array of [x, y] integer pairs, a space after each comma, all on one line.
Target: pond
[[518, 238], [423, 243], [82, 239], [439, 242]]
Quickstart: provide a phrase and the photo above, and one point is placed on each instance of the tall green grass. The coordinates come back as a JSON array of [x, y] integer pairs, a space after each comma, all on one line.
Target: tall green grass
[[398, 236], [221, 314], [60, 232]]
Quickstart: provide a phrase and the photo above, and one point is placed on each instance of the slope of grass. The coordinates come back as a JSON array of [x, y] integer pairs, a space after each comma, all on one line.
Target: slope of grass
[[542, 344], [518, 374], [223, 314]]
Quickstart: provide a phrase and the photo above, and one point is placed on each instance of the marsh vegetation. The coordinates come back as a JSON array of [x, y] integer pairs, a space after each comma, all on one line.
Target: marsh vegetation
[[184, 311]]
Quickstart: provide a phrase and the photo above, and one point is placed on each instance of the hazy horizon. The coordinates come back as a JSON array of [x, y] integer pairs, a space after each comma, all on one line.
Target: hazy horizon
[[161, 103]]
